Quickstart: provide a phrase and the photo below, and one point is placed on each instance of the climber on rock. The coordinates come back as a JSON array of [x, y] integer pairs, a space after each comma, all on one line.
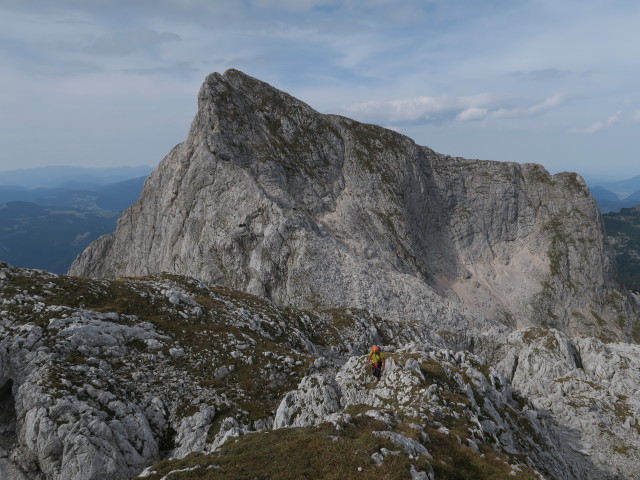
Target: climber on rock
[[376, 360]]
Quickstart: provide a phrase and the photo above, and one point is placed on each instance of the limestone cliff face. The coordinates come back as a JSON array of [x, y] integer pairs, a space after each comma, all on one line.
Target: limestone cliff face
[[268, 196]]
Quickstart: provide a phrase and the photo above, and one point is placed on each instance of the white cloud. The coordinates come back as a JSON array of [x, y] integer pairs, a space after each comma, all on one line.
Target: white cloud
[[550, 103], [636, 116], [419, 109], [473, 113], [599, 125], [439, 109], [589, 130], [614, 118]]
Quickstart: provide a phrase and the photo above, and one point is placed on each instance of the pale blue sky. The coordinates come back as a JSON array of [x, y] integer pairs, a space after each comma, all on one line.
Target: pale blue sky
[[100, 83]]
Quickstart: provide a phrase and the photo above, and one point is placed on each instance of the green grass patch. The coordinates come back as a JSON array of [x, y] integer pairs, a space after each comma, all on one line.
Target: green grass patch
[[293, 454]]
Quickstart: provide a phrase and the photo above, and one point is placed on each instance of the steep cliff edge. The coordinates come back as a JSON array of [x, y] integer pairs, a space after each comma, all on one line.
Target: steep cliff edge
[[268, 196]]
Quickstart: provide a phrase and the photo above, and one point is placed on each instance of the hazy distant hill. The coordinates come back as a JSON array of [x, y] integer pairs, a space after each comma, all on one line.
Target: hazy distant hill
[[36, 237], [115, 197], [47, 228], [606, 199], [623, 228], [70, 177], [612, 196], [633, 199], [623, 188]]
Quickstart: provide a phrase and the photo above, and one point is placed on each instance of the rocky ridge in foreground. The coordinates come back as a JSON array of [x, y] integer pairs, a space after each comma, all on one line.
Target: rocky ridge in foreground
[[104, 378]]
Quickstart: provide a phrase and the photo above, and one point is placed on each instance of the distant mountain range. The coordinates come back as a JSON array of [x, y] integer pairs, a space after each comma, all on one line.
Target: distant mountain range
[[109, 198], [620, 204], [623, 230], [623, 188], [69, 177], [37, 237], [612, 196], [46, 228]]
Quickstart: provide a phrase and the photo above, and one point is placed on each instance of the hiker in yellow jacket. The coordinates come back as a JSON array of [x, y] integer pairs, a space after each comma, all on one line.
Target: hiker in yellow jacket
[[376, 360]]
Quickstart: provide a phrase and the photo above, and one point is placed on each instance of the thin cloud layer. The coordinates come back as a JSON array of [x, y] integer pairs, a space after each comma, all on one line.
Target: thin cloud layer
[[502, 80], [436, 110], [599, 125], [124, 43], [542, 75], [540, 108]]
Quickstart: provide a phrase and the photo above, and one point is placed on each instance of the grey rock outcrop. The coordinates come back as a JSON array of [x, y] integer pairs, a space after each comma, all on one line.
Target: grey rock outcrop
[[104, 378], [588, 387], [314, 400], [100, 379], [584, 401], [268, 196]]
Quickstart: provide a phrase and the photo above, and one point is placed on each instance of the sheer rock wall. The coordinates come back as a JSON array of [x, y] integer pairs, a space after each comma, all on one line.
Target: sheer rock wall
[[268, 196]]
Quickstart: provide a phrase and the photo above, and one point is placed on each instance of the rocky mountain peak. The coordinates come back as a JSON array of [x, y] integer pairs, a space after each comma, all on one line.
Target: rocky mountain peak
[[268, 196]]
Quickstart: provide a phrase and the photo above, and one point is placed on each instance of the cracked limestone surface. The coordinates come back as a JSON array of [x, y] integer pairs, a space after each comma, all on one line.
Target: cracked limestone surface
[[103, 378], [588, 387], [116, 377]]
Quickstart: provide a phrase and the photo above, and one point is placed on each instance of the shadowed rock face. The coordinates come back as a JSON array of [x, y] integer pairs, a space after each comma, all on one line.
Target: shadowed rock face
[[268, 196]]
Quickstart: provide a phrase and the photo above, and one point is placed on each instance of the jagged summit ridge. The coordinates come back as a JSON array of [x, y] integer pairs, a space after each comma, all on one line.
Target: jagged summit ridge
[[268, 196]]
